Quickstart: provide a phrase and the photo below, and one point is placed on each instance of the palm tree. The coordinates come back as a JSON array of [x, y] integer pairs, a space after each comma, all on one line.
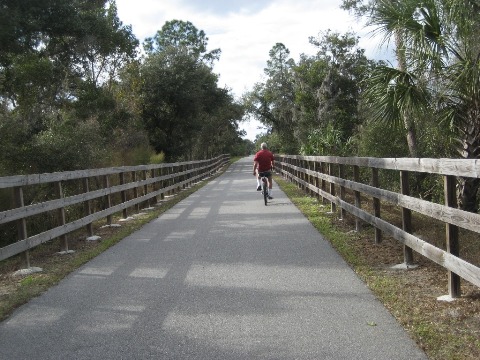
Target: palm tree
[[439, 59]]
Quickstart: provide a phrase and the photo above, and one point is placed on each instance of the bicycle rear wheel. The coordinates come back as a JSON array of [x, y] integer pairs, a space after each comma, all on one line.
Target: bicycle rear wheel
[[265, 190]]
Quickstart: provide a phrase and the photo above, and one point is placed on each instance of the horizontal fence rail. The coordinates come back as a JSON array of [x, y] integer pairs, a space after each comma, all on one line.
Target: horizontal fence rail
[[324, 176], [75, 199]]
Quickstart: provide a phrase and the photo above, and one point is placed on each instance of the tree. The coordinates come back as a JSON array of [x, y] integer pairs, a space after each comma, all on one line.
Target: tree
[[183, 35], [49, 47], [441, 53], [272, 102], [184, 111], [339, 92], [327, 93], [57, 62], [109, 46], [308, 75], [393, 95], [219, 133]]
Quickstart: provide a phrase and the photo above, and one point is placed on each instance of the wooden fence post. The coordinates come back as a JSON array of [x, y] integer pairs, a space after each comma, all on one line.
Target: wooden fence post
[[358, 203], [317, 179], [61, 216], [87, 206], [332, 188], [376, 205], [324, 182], [166, 182], [195, 167], [308, 178], [453, 246], [123, 195], [145, 189], [106, 184], [179, 178], [341, 174], [183, 178], [291, 171], [298, 174], [188, 176], [287, 168], [171, 171], [153, 175], [406, 217], [303, 174], [22, 223], [135, 191]]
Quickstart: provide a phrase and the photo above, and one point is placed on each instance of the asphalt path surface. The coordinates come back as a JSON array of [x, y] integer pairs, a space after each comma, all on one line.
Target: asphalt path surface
[[218, 276]]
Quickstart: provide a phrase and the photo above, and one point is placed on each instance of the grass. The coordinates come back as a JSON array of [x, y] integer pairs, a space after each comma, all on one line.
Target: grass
[[445, 331]]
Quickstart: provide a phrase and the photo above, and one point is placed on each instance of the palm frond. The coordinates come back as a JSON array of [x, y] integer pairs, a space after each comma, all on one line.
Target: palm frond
[[389, 17], [393, 94], [461, 99]]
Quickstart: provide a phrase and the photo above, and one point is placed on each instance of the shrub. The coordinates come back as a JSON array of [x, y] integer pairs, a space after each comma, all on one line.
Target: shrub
[[157, 158]]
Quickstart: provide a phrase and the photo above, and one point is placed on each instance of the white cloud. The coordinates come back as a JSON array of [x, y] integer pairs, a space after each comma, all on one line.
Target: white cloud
[[245, 31]]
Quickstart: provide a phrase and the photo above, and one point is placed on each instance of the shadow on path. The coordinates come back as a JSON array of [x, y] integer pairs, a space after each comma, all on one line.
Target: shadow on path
[[218, 276]]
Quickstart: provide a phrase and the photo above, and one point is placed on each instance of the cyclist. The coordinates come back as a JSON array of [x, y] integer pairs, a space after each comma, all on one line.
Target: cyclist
[[263, 163]]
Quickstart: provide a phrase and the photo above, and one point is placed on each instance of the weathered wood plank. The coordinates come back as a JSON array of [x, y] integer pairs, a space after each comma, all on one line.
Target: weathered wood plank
[[199, 170], [35, 179], [449, 215], [35, 209], [466, 270], [454, 216], [458, 167]]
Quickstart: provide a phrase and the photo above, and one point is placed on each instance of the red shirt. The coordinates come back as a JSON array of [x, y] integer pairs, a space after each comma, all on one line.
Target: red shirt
[[265, 159]]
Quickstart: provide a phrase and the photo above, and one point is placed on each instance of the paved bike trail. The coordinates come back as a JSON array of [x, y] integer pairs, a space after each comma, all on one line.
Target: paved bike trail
[[218, 276]]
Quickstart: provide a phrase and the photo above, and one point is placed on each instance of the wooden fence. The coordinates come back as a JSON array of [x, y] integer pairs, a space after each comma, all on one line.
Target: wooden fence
[[93, 194], [325, 177]]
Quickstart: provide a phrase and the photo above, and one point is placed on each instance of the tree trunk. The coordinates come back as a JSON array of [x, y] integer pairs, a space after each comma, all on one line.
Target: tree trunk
[[468, 187], [408, 122], [411, 136], [467, 194]]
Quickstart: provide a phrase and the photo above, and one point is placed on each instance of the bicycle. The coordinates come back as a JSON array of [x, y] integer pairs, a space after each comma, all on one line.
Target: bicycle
[[264, 180]]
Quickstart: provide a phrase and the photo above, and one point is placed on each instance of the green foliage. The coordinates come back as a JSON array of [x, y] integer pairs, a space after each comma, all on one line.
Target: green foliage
[[128, 152], [437, 53], [73, 96], [93, 102], [58, 64], [309, 75], [183, 35], [14, 139], [243, 148], [338, 94], [272, 102], [327, 141], [313, 106], [57, 45], [55, 149], [139, 155], [174, 85], [274, 142], [396, 98], [376, 139], [157, 158], [184, 111]]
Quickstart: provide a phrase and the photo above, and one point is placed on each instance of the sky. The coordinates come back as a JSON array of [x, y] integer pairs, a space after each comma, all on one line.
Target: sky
[[246, 30]]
